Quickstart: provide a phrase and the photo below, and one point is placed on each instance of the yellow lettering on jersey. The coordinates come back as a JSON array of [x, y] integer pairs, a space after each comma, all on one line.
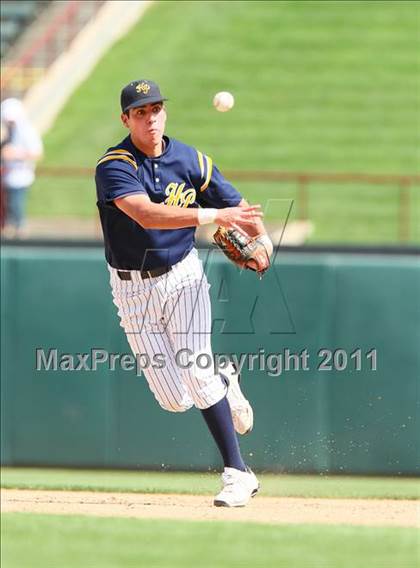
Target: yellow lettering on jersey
[[178, 195], [188, 197]]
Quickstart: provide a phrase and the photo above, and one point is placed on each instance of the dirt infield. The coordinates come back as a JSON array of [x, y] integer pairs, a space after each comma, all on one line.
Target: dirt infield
[[276, 510]]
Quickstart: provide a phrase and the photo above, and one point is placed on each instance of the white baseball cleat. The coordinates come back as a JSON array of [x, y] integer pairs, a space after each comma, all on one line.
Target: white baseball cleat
[[238, 488], [242, 414]]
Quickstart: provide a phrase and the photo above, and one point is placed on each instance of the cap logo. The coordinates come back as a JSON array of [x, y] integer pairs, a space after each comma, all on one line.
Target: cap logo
[[143, 88]]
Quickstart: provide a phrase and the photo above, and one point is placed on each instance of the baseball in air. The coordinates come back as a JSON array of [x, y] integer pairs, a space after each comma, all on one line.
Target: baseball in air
[[223, 101]]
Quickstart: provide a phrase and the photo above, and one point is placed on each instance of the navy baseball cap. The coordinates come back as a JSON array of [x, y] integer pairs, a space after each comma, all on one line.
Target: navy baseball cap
[[140, 93]]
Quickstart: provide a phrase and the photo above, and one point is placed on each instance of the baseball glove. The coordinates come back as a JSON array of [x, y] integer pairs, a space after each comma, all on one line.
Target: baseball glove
[[243, 250]]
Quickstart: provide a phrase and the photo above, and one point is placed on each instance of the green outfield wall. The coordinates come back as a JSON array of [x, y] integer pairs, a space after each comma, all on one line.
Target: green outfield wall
[[334, 413]]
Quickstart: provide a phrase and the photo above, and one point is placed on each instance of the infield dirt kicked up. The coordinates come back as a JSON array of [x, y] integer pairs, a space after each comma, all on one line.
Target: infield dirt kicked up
[[275, 510]]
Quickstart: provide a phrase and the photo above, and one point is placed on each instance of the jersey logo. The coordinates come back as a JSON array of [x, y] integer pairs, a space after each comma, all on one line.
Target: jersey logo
[[143, 88], [178, 195]]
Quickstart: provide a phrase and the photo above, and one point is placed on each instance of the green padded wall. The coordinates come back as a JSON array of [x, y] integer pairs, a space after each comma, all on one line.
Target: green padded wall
[[306, 421]]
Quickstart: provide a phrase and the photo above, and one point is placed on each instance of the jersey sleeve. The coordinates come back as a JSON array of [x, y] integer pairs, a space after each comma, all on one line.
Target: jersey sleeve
[[213, 189], [116, 176]]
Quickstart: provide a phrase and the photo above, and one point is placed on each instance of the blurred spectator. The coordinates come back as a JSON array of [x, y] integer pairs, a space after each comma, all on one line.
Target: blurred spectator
[[5, 138], [20, 150]]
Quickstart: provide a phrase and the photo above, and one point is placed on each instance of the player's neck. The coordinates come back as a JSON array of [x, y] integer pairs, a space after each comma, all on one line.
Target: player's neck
[[151, 151]]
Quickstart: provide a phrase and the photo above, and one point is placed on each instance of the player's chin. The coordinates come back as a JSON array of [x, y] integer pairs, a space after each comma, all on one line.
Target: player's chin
[[155, 136]]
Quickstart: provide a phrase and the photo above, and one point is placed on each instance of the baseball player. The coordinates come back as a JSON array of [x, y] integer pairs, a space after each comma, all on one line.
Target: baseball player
[[152, 193]]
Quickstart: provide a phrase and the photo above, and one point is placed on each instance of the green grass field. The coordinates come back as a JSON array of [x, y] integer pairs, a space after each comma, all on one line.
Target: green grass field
[[206, 483], [58, 541], [319, 86], [41, 541]]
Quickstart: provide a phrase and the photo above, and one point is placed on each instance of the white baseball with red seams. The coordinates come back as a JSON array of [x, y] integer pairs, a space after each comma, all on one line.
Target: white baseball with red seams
[[223, 101]]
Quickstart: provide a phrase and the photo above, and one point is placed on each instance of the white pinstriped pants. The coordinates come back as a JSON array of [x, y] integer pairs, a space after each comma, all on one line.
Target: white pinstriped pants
[[165, 315]]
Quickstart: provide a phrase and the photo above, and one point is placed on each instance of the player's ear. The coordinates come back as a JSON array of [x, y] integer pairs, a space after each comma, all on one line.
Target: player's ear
[[124, 119]]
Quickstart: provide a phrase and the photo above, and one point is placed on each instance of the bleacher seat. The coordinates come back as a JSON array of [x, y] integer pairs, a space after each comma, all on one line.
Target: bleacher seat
[[14, 17], [21, 10]]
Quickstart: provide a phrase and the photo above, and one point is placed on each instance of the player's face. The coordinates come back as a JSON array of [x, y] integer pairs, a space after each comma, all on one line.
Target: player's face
[[146, 123]]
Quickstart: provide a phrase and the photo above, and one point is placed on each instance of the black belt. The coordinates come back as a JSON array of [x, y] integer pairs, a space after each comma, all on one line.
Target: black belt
[[126, 274]]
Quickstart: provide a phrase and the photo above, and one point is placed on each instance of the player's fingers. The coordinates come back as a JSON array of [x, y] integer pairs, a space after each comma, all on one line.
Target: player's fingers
[[254, 211], [252, 214], [252, 264], [256, 207], [238, 228]]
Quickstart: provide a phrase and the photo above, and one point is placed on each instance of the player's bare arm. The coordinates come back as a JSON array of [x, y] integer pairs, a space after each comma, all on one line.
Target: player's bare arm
[[159, 216]]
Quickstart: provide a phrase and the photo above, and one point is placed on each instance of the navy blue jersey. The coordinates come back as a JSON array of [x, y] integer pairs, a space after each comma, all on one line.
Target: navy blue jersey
[[181, 176]]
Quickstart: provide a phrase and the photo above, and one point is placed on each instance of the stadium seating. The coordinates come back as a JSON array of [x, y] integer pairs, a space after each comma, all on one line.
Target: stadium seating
[[15, 16]]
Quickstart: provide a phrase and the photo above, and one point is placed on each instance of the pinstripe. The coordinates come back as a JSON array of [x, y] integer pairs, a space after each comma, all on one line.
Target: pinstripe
[[186, 336], [160, 378], [175, 331], [206, 327], [129, 305], [155, 306], [147, 335], [191, 337], [160, 338], [194, 336], [166, 314], [161, 391], [201, 334]]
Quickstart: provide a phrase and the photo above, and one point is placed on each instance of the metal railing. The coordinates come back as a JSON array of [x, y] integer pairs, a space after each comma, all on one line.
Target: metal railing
[[304, 180], [403, 182], [63, 22]]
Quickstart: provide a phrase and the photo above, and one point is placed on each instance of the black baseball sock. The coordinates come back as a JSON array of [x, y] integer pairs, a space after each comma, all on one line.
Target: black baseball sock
[[219, 420]]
